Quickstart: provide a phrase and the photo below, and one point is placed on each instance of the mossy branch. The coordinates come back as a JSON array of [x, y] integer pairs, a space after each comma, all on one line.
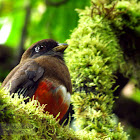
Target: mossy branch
[[96, 57], [27, 121]]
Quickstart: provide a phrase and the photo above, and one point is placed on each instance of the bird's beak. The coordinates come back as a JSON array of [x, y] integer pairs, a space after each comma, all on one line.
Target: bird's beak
[[61, 47]]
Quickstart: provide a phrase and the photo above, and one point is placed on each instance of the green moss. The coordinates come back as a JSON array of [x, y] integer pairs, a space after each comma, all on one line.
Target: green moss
[[93, 57], [27, 121], [130, 16], [127, 28], [95, 54]]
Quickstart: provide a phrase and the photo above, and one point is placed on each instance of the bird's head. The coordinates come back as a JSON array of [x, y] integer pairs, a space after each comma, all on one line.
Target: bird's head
[[45, 47]]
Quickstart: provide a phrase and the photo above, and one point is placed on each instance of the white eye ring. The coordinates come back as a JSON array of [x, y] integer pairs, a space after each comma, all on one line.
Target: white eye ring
[[37, 49]]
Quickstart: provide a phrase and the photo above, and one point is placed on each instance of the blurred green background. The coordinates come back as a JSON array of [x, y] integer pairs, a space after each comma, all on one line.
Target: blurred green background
[[23, 22], [39, 19]]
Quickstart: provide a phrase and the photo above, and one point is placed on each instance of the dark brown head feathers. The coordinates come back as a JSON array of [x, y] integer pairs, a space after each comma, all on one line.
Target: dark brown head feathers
[[44, 47]]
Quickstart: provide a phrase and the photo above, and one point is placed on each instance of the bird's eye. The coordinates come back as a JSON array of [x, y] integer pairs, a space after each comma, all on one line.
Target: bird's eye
[[39, 48]]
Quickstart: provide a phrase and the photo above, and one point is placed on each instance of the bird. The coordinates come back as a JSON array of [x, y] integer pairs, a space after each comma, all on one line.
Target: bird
[[43, 75]]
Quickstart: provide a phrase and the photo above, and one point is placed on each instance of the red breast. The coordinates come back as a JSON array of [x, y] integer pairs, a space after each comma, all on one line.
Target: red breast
[[57, 99]]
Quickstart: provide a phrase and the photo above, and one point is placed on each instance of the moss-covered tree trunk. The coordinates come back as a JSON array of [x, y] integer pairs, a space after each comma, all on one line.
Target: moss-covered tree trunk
[[95, 55]]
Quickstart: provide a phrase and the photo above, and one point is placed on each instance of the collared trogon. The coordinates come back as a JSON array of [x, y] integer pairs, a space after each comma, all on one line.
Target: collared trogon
[[42, 73]]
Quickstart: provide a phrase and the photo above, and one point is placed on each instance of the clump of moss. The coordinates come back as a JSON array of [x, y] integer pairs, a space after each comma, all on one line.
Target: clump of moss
[[124, 19], [94, 56], [27, 121], [127, 28]]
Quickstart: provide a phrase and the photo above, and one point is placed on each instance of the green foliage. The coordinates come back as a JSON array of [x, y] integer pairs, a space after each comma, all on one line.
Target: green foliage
[[136, 95], [56, 22], [44, 21], [27, 121]]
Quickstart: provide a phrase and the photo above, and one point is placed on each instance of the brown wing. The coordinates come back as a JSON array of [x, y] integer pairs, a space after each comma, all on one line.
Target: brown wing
[[23, 77]]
